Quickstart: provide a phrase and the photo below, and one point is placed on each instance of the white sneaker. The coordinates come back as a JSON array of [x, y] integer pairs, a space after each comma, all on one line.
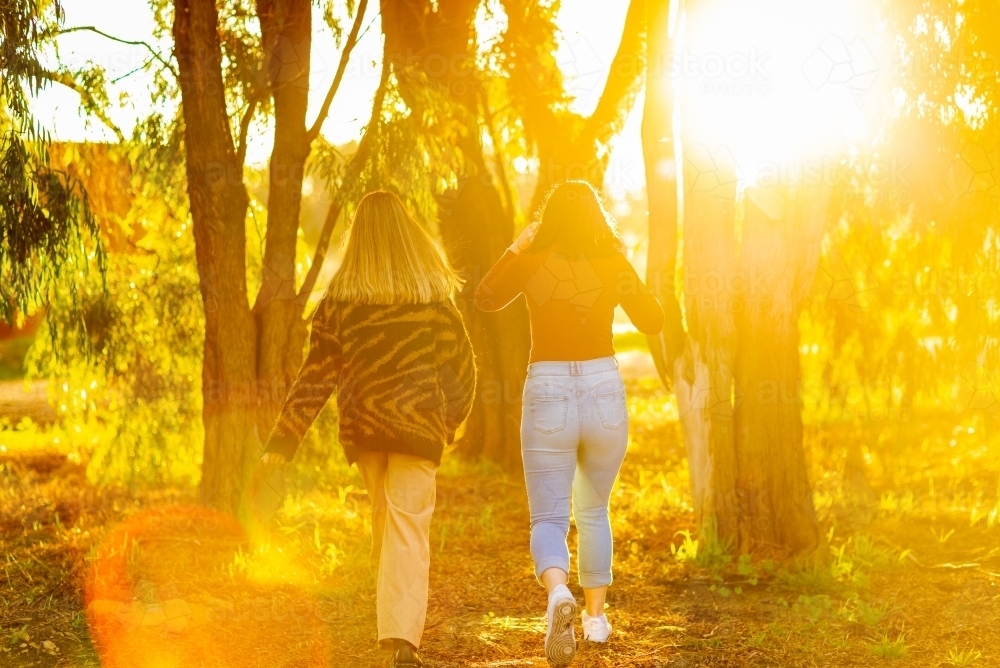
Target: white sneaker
[[596, 629], [560, 639]]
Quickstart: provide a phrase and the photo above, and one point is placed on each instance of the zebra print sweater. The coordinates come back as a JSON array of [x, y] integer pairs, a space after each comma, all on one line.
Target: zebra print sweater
[[404, 374]]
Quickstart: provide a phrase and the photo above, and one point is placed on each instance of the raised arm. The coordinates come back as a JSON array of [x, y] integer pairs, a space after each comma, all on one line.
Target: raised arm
[[639, 303], [501, 285], [315, 382], [505, 281]]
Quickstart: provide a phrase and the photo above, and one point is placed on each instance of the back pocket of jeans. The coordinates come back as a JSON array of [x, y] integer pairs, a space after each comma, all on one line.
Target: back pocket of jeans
[[548, 413], [611, 406]]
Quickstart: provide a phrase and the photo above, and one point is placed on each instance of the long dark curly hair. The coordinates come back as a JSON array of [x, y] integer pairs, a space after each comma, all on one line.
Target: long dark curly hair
[[573, 220]]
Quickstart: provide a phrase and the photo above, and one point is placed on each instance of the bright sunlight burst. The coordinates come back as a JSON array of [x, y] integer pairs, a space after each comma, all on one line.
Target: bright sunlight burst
[[777, 82], [453, 333]]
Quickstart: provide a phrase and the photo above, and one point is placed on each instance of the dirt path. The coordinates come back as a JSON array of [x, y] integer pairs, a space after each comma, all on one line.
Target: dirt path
[[16, 402], [154, 582]]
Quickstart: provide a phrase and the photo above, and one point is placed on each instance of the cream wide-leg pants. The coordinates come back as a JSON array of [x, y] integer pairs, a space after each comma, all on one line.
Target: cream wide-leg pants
[[402, 491]]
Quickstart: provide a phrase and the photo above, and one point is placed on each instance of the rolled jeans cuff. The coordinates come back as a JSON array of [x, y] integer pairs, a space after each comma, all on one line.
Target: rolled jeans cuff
[[595, 580], [550, 562]]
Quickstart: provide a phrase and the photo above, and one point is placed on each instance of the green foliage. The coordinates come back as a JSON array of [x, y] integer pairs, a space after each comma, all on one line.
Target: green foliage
[[745, 567], [44, 225], [47, 230], [856, 609], [815, 606], [137, 398], [12, 354], [809, 576], [414, 149], [962, 659], [708, 552], [687, 551], [885, 648], [526, 58], [905, 305], [23, 26], [631, 340]]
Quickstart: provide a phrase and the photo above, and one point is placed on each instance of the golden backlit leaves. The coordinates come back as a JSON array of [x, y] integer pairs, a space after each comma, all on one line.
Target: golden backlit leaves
[[105, 172]]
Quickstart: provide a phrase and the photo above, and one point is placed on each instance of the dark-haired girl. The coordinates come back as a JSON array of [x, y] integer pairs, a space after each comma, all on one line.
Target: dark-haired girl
[[574, 427]]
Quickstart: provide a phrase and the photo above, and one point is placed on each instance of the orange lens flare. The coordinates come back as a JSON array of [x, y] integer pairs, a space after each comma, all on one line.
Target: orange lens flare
[[166, 590]]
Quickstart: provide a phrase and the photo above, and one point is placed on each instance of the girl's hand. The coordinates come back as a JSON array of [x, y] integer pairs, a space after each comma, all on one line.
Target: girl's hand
[[273, 458], [523, 241]]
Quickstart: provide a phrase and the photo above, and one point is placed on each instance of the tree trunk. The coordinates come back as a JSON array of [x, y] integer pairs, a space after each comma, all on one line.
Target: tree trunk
[[436, 48], [286, 33], [703, 374], [782, 231], [735, 371], [251, 355], [702, 366], [658, 151], [218, 202], [477, 232]]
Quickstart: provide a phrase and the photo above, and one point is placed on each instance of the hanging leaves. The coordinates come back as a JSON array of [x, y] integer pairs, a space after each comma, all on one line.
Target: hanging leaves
[[47, 230]]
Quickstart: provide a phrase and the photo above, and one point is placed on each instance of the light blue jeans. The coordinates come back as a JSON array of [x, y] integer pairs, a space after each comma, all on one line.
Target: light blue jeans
[[574, 431]]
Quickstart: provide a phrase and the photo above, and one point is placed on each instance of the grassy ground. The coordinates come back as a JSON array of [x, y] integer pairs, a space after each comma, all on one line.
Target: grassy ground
[[910, 577]]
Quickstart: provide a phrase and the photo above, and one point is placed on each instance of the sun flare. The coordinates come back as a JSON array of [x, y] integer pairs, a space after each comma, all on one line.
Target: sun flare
[[383, 333], [776, 83]]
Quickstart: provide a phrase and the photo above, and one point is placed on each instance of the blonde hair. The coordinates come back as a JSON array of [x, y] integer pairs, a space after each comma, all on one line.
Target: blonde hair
[[391, 259]]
